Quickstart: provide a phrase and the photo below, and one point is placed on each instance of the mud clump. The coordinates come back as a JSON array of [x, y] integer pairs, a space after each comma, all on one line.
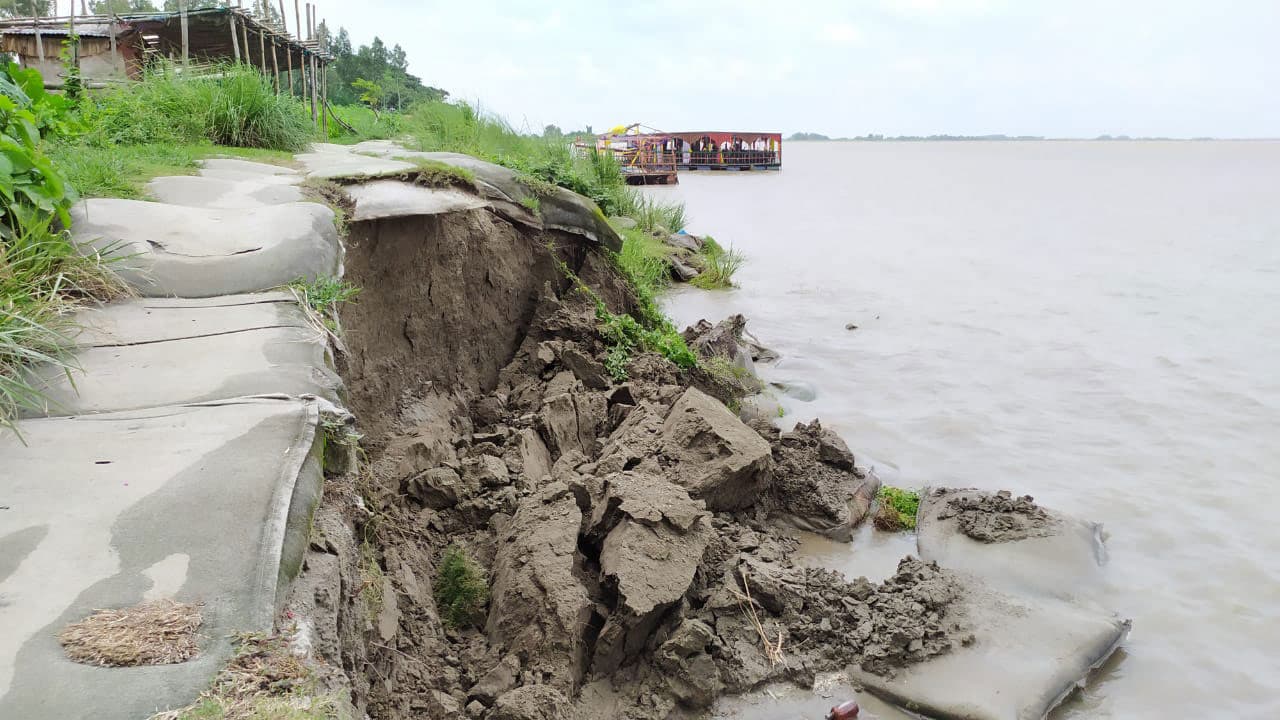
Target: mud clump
[[999, 518], [816, 486]]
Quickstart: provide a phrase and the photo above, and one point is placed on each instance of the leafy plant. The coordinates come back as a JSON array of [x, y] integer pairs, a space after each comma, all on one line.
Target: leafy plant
[[461, 590], [30, 187], [898, 508], [532, 204]]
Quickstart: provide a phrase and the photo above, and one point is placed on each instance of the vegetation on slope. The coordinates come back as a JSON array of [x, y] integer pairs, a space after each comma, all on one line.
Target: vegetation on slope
[[42, 276]]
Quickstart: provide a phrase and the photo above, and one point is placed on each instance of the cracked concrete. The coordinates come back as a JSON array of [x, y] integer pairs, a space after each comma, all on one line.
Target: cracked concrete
[[182, 458]]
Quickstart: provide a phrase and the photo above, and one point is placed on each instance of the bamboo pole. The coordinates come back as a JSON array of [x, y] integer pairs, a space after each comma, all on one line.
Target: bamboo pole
[[284, 21], [115, 59], [324, 98], [262, 49], [288, 58], [275, 65], [186, 40], [297, 20], [39, 40], [235, 40], [244, 37]]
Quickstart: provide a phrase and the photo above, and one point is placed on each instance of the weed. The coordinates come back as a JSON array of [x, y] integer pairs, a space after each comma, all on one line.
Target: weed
[[324, 296], [235, 105], [43, 276], [532, 204], [434, 173], [720, 265], [654, 215], [536, 185], [898, 508], [616, 362], [263, 681], [371, 582], [461, 590]]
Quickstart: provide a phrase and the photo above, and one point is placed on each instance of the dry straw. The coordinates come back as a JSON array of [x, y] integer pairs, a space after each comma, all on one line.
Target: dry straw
[[160, 632]]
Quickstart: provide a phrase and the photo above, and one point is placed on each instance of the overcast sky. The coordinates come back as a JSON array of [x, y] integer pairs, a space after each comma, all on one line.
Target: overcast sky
[[1061, 68]]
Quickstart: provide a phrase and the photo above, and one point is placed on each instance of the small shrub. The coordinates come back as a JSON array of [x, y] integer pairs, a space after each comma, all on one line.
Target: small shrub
[[898, 508], [461, 590]]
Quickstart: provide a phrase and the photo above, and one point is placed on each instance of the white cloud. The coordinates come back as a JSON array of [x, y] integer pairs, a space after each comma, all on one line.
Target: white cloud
[[841, 33]]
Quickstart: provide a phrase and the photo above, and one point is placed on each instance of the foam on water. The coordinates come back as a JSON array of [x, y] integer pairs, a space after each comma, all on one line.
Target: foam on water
[[1096, 324]]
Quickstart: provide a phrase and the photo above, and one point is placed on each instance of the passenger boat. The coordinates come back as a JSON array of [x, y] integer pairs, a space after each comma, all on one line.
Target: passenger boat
[[650, 157]]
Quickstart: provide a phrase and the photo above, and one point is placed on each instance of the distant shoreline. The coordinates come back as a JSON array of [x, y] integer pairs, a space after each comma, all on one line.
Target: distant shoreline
[[815, 137]]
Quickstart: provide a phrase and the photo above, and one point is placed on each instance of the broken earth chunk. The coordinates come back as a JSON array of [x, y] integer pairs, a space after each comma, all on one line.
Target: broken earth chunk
[[713, 454]]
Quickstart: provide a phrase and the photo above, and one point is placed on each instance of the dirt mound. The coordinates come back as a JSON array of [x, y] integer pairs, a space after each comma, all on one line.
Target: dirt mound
[[999, 518], [816, 485], [621, 524]]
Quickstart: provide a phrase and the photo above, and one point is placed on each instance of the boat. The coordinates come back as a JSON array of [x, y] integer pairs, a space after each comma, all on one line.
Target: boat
[[652, 157]]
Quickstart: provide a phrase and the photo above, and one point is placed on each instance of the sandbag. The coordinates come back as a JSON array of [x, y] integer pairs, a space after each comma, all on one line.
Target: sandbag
[[1010, 542], [1024, 657]]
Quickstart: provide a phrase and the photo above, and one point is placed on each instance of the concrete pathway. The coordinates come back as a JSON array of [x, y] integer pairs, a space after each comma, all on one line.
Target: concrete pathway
[[184, 462]]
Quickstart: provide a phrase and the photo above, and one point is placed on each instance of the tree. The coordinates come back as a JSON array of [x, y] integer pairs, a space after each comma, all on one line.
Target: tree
[[371, 93], [399, 60], [341, 44], [26, 8], [552, 131], [121, 7]]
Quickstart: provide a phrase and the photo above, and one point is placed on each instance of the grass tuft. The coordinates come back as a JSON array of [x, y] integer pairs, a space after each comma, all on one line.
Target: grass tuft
[[898, 509], [43, 278], [461, 591], [264, 681], [720, 265]]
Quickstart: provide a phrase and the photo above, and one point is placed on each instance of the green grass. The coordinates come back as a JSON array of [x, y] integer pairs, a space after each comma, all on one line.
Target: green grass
[[42, 279], [657, 216], [461, 591], [720, 265], [532, 204], [324, 296], [904, 504], [234, 106], [440, 174], [368, 126], [121, 171]]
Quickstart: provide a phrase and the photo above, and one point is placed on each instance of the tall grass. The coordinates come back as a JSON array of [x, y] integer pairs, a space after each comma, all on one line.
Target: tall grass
[[234, 105], [459, 127], [721, 265], [655, 215], [42, 278]]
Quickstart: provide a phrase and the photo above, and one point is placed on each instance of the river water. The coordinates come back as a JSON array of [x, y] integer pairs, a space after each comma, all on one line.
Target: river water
[[1095, 324]]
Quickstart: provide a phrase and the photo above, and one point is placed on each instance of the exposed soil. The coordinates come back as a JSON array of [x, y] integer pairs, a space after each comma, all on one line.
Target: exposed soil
[[999, 517], [627, 531]]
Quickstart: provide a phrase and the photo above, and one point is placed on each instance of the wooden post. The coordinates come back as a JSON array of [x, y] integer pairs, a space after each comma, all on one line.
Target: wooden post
[[39, 41], [288, 58], [262, 49], [275, 65], [244, 37], [297, 20], [313, 89], [324, 99], [284, 21], [115, 58], [186, 41], [235, 40], [83, 9]]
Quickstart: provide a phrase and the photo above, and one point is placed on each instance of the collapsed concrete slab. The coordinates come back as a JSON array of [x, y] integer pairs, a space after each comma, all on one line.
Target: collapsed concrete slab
[[336, 161], [1010, 542], [559, 209], [169, 250], [377, 199], [246, 166], [153, 352], [1022, 659], [207, 504], [212, 192]]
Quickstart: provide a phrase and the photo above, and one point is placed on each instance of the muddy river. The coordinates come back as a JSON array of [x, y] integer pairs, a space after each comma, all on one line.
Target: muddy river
[[1095, 324]]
